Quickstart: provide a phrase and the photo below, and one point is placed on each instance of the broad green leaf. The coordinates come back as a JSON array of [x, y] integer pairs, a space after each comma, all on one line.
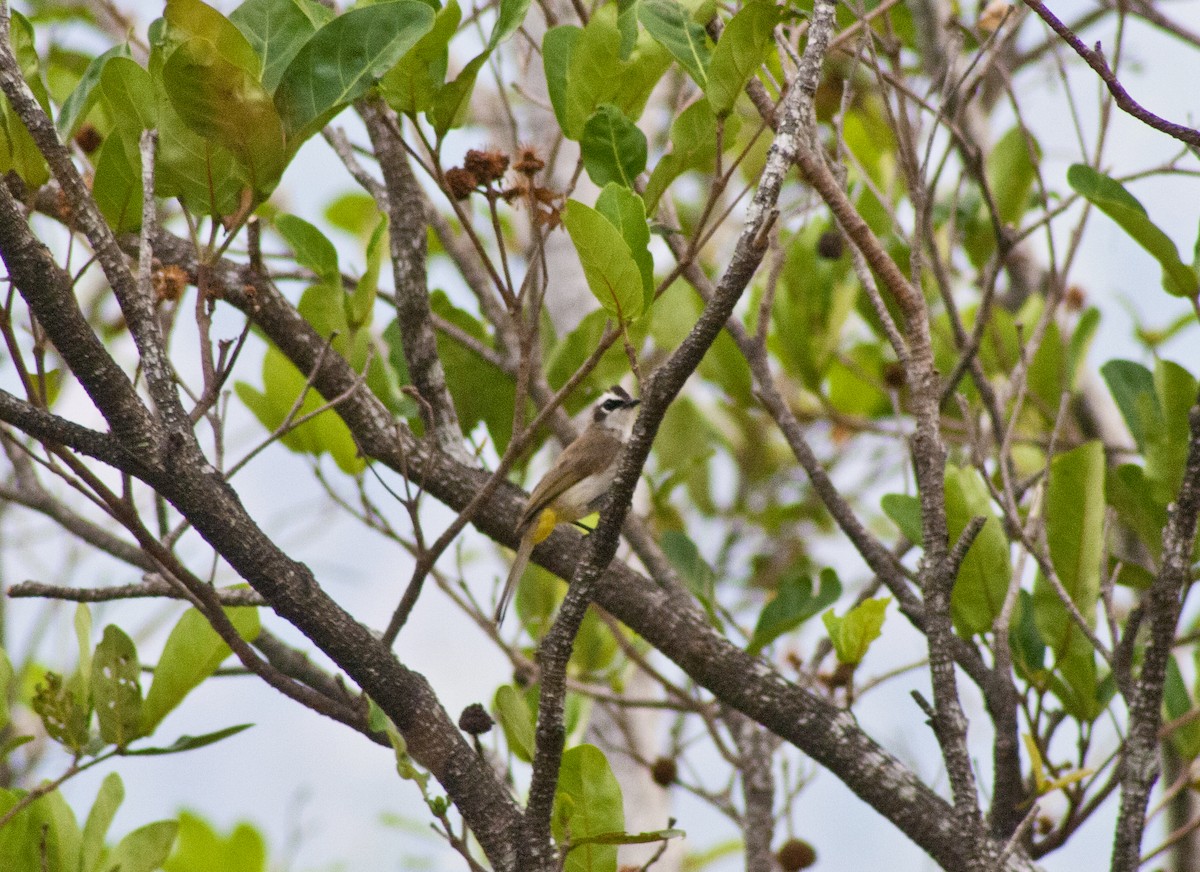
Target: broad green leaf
[[1111, 198], [516, 720], [412, 84], [693, 147], [117, 185], [905, 512], [353, 212], [83, 639], [588, 803], [1132, 496], [128, 96], [612, 273], [557, 47], [853, 634], [1167, 445], [613, 148], [795, 602], [343, 60], [43, 835], [190, 743], [740, 51], [143, 850], [512, 14], [624, 83], [64, 717], [201, 849], [277, 30], [201, 173], [985, 573], [325, 433], [80, 101], [192, 19], [223, 102], [451, 100], [697, 574], [116, 688], [1075, 521], [625, 210], [18, 152], [24, 45], [1074, 512], [1133, 389], [108, 799], [671, 25], [1011, 172], [312, 248], [192, 653], [1028, 649]]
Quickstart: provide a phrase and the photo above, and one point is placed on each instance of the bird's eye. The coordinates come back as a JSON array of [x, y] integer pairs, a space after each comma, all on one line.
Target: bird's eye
[[610, 405]]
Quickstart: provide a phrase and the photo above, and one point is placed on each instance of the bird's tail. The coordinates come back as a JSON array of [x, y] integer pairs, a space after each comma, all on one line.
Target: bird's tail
[[518, 569]]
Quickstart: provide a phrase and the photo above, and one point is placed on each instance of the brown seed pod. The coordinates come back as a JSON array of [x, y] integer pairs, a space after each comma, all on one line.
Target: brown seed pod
[[460, 183], [796, 854]]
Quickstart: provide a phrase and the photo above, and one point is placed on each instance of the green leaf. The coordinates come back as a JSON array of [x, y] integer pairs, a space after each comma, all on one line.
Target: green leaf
[[625, 210], [450, 103], [201, 849], [192, 19], [697, 574], [588, 803], [115, 687], [795, 602], [613, 148], [83, 639], [190, 743], [512, 712], [672, 27], [64, 717], [512, 14], [108, 799], [1074, 512], [343, 59], [1111, 198], [192, 653], [612, 274], [905, 512], [80, 101], [201, 173], [222, 102], [1132, 387], [853, 634], [1167, 444], [411, 85], [693, 147], [557, 47], [740, 51], [986, 571], [41, 836], [127, 92], [277, 30], [1011, 172], [143, 850], [312, 248], [626, 83], [117, 185]]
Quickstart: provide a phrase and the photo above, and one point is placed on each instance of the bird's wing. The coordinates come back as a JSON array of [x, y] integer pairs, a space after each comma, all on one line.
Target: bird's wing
[[587, 455]]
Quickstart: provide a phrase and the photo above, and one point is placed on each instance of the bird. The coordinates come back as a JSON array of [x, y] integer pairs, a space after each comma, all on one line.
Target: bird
[[576, 484]]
